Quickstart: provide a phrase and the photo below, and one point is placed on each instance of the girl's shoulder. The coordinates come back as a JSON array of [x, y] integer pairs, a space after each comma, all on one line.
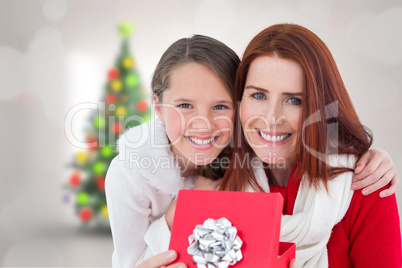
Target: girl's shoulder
[[145, 157], [143, 138]]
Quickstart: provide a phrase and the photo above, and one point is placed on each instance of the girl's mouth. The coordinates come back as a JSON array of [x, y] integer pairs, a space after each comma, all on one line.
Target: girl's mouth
[[201, 142]]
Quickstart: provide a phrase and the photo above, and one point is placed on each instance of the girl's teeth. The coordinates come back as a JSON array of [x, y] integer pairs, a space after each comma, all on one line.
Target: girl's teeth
[[274, 138], [201, 142]]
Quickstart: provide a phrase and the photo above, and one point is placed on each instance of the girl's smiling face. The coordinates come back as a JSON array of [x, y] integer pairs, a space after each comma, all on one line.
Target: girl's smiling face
[[198, 113], [271, 108]]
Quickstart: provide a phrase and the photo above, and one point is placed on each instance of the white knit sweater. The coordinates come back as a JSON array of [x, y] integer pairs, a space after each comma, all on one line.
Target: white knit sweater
[[140, 184]]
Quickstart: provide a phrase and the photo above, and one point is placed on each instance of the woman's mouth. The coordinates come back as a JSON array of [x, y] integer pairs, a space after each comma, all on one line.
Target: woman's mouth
[[274, 138]]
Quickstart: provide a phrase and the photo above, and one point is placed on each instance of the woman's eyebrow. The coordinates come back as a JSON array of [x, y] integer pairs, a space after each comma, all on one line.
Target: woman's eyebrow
[[293, 94], [283, 93], [258, 88]]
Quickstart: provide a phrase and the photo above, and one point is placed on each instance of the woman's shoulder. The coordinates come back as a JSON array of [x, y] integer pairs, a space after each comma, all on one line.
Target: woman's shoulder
[[373, 205], [369, 233], [372, 223]]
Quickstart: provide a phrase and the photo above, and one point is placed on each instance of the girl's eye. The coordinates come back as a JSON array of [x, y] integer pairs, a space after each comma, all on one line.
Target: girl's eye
[[220, 107], [258, 96], [185, 106], [295, 101]]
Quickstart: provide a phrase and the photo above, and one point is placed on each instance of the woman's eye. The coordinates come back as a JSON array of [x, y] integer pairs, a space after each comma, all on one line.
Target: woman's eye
[[185, 106], [295, 101], [220, 107], [258, 96]]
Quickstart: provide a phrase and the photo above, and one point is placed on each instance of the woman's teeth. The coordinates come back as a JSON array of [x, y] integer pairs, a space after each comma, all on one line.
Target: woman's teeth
[[273, 138], [201, 142]]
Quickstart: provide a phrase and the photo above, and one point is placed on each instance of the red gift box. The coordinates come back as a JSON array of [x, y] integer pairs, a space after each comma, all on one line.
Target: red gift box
[[257, 217]]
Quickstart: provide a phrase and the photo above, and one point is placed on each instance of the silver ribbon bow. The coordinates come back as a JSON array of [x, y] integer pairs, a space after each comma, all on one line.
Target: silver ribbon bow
[[215, 244]]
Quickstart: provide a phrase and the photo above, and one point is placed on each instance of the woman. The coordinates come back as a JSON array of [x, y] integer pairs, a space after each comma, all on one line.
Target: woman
[[299, 121]]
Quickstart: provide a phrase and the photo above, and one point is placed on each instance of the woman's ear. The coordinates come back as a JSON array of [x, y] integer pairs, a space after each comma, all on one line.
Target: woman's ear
[[158, 107]]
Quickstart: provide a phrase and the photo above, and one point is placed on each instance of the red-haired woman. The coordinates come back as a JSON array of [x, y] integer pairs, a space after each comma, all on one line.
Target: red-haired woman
[[305, 63], [299, 121]]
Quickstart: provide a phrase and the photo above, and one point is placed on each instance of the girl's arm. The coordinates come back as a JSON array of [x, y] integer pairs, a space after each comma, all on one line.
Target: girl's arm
[[128, 216], [162, 259], [374, 170]]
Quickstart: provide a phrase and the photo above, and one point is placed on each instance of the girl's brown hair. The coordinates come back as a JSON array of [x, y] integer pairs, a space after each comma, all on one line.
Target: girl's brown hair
[[335, 126], [204, 50], [210, 53]]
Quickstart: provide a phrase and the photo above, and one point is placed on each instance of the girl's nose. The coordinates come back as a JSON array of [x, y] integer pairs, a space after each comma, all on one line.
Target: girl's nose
[[202, 122]]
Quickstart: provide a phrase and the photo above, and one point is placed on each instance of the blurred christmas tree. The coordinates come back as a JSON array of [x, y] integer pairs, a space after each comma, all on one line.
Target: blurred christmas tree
[[124, 97]]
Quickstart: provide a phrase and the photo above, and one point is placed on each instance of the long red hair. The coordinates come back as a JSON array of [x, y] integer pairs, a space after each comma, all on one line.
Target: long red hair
[[326, 104]]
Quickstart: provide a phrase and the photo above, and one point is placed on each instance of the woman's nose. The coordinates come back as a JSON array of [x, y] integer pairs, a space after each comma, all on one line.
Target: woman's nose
[[274, 114]]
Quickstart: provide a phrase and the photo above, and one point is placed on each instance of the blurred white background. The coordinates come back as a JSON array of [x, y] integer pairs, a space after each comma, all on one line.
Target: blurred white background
[[55, 54]]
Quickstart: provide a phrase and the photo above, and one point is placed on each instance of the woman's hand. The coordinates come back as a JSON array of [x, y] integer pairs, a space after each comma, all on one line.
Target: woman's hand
[[204, 183], [374, 170], [162, 259]]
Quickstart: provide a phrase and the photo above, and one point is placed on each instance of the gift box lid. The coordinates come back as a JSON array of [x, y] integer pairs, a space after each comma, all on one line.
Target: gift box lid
[[257, 217]]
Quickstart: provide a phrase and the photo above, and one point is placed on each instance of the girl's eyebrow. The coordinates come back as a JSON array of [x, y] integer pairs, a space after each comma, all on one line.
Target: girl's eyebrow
[[224, 101], [267, 91], [189, 100], [182, 100]]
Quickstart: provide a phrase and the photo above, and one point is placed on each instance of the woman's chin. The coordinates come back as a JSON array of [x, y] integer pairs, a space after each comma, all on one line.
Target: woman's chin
[[272, 159]]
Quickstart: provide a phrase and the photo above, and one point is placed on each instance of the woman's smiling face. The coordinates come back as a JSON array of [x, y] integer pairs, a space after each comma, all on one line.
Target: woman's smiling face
[[198, 113], [271, 108]]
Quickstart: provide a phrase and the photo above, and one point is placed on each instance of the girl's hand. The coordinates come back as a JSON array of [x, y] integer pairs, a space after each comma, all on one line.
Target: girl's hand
[[200, 183], [162, 259], [170, 214], [204, 183], [374, 170], [293, 264], [169, 256]]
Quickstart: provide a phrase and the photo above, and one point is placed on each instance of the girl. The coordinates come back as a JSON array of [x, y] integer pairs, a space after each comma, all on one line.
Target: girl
[[193, 87], [299, 121]]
